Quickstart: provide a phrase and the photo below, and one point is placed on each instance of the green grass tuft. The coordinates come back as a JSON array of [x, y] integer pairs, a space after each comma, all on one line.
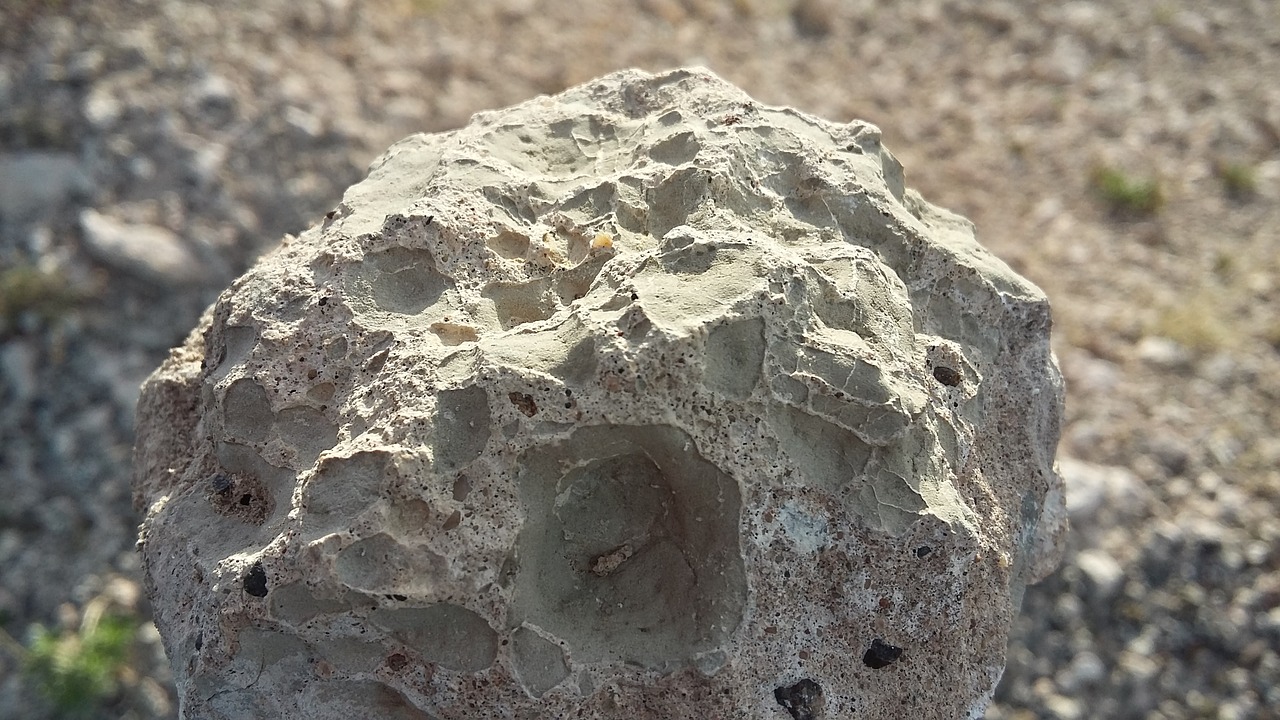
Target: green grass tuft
[[27, 292], [1240, 181], [1127, 196], [79, 670]]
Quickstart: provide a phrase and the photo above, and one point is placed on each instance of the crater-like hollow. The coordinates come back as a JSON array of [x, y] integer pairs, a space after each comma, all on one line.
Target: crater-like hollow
[[630, 548], [399, 280]]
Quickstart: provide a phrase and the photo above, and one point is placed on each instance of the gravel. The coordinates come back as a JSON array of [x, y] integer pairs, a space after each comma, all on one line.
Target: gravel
[[218, 132]]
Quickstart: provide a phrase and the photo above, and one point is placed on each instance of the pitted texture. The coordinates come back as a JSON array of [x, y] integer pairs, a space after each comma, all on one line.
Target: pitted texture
[[644, 400]]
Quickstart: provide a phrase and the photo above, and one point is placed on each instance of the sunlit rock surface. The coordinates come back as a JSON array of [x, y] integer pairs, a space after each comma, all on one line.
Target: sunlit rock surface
[[644, 400]]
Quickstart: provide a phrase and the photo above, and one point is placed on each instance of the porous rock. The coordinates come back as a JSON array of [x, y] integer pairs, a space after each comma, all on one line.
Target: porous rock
[[645, 400]]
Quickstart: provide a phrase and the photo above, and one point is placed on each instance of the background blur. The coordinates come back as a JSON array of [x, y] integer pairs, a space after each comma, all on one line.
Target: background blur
[[1123, 155]]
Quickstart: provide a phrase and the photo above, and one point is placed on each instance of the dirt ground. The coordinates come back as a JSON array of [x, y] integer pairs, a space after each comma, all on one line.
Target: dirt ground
[[1125, 156]]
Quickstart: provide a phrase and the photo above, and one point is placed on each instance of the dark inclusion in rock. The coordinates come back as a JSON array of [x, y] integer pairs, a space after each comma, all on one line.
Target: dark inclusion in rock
[[803, 700], [946, 376], [255, 582], [881, 654], [221, 483]]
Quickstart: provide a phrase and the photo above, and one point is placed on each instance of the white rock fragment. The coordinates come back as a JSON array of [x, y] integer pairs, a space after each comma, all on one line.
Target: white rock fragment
[[644, 400], [1102, 570]]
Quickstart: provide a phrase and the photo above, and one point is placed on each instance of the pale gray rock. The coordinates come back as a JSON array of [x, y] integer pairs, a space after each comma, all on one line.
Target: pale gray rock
[[1102, 571], [148, 252], [644, 400], [35, 184]]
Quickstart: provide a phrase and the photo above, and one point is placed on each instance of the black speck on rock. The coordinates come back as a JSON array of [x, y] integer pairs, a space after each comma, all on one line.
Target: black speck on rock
[[255, 582], [803, 700], [881, 654]]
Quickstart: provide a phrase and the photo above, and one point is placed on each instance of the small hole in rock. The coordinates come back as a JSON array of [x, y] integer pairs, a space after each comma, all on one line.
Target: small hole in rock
[[946, 376], [245, 499], [923, 550], [803, 700], [881, 654]]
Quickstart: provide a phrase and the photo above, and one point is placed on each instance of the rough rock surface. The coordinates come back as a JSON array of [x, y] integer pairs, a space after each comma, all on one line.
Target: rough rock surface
[[644, 400]]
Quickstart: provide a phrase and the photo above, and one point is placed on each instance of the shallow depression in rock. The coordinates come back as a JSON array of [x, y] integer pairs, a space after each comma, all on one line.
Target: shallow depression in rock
[[630, 555]]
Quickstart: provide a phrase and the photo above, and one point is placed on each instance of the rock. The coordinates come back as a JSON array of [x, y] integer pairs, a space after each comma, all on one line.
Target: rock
[[1083, 674], [1102, 499], [1164, 353], [19, 361], [33, 185], [148, 252], [102, 108], [1103, 572], [644, 400], [814, 18]]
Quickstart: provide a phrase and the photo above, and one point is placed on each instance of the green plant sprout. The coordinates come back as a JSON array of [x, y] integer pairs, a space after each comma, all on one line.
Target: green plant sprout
[[1127, 196], [77, 670], [1238, 179]]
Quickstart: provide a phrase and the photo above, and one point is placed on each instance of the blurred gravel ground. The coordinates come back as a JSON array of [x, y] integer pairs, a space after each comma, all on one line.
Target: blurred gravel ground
[[1123, 155]]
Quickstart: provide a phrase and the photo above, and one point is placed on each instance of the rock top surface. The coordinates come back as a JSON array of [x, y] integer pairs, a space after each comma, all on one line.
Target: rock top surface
[[644, 400]]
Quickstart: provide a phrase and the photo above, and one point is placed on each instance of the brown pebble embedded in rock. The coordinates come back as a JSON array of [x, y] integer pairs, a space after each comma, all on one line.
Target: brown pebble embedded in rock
[[643, 400], [524, 402], [946, 376]]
